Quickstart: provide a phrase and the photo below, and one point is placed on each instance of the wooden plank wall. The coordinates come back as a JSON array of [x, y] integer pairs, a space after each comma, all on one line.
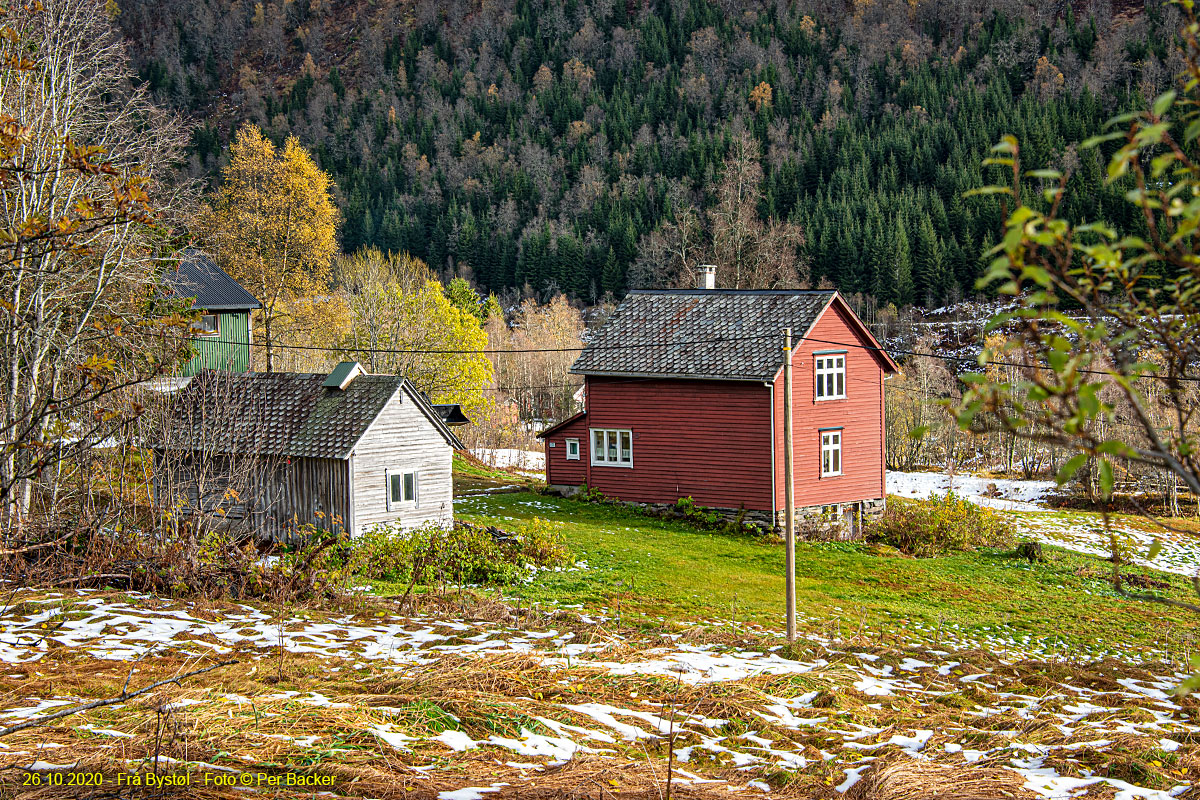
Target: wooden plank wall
[[859, 414], [708, 440], [559, 470], [283, 496], [313, 491], [402, 438]]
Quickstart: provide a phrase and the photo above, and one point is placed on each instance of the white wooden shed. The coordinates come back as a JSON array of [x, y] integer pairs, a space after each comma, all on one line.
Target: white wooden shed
[[345, 449]]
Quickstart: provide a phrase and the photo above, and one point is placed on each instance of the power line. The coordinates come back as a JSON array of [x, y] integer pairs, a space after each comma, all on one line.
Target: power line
[[965, 359], [715, 340], [531, 388], [487, 351]]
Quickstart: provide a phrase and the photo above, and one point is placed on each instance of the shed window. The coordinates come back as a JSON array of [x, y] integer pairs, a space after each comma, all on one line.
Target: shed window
[[831, 453], [572, 449], [612, 447], [207, 325], [831, 376], [402, 489]]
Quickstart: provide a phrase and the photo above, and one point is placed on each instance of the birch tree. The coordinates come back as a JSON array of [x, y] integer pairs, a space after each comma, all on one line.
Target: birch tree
[[272, 225], [83, 209], [750, 253], [403, 323]]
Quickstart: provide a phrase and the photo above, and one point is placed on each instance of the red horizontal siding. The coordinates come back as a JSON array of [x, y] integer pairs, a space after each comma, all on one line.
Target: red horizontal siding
[[708, 440], [860, 416], [560, 471], [712, 440]]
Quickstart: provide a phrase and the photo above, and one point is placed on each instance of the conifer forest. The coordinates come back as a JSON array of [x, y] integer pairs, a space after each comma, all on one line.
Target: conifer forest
[[591, 147]]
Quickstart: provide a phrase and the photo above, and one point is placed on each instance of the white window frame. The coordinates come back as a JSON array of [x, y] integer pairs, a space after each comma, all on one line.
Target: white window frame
[[200, 331], [829, 371], [573, 446], [613, 438], [405, 501], [831, 443]]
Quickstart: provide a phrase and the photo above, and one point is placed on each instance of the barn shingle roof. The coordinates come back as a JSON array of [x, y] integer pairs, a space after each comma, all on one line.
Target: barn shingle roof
[[721, 334], [211, 287], [281, 413]]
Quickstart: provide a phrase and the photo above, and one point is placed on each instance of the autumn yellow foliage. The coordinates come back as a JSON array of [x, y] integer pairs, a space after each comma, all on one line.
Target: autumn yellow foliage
[[761, 96], [402, 322], [272, 224]]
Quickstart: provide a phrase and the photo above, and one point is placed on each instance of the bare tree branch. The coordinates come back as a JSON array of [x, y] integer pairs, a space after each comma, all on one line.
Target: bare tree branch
[[121, 698]]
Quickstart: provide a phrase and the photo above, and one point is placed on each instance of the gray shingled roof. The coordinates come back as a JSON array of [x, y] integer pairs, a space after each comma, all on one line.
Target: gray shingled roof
[[722, 334], [211, 288], [281, 413]]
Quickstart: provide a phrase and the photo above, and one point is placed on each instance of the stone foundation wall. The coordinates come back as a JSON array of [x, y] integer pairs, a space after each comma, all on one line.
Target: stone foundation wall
[[753, 519], [841, 522]]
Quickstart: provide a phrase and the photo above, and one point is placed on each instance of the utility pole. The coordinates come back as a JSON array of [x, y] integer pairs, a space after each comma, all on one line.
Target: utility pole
[[789, 484]]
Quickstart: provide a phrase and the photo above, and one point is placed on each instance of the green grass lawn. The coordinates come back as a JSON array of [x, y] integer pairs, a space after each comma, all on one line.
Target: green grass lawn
[[654, 568], [472, 476], [467, 466]]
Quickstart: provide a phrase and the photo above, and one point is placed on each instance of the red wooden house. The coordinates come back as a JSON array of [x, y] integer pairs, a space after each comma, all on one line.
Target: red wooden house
[[684, 397]]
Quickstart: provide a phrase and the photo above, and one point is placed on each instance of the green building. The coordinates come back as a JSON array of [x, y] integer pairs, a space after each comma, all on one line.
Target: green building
[[223, 332]]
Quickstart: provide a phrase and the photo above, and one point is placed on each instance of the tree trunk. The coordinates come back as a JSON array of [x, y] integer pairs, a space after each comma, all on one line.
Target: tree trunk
[[268, 342]]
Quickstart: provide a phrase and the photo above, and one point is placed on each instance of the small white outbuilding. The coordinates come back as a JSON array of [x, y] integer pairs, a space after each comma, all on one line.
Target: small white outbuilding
[[275, 451]]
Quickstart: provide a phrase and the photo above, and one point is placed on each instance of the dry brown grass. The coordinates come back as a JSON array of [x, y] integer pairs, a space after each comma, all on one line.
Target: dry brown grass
[[490, 695], [902, 778], [241, 719]]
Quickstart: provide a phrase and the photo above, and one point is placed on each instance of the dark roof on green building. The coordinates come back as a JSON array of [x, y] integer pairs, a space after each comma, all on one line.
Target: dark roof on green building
[[210, 287], [284, 414], [712, 334]]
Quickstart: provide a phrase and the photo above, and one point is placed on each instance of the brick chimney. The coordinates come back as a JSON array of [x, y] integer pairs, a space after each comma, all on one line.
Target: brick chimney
[[707, 278]]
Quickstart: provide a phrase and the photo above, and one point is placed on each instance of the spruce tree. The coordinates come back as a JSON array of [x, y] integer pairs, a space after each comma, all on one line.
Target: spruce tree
[[903, 290]]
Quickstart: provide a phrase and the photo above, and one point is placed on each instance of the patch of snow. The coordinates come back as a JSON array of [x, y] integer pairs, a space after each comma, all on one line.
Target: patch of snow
[[697, 666], [874, 687], [456, 740], [853, 775], [394, 738], [33, 711], [1022, 502], [535, 744], [1013, 495], [105, 731], [470, 792], [604, 714], [508, 458]]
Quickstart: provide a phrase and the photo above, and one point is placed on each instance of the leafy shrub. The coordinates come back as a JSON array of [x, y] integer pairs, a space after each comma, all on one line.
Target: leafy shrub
[[433, 554], [699, 515], [942, 523], [540, 544], [382, 553], [229, 563], [588, 494]]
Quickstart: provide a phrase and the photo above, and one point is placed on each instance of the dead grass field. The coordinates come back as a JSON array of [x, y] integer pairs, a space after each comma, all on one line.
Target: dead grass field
[[465, 698]]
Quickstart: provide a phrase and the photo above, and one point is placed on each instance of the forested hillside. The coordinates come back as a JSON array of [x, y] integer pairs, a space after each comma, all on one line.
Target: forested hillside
[[583, 146]]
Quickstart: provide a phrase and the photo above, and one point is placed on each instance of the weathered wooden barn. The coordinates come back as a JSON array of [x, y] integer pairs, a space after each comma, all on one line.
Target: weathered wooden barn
[[276, 451], [684, 397]]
